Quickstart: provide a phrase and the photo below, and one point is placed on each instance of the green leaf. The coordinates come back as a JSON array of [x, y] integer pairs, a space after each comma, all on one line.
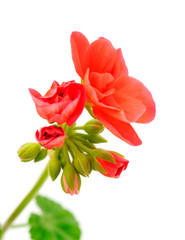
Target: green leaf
[[54, 223]]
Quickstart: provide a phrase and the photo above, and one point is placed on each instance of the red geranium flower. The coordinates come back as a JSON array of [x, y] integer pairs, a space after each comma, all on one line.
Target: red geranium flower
[[116, 98], [62, 103]]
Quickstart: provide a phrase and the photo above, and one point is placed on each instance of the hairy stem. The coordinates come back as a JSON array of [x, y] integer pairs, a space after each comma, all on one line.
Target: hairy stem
[[33, 192]]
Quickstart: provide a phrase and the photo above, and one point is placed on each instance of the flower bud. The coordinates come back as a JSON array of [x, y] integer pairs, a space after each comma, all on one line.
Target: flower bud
[[70, 180], [50, 136], [111, 169], [54, 168], [82, 164], [93, 126], [28, 151], [95, 138], [42, 155]]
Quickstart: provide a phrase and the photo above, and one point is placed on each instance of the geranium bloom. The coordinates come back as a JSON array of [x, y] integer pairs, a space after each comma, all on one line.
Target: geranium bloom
[[50, 136], [114, 169], [116, 98], [62, 103]]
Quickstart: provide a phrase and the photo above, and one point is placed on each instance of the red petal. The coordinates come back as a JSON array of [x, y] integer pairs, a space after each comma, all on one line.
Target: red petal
[[100, 55], [52, 91], [101, 80], [79, 45], [120, 129], [132, 108], [119, 65], [131, 87]]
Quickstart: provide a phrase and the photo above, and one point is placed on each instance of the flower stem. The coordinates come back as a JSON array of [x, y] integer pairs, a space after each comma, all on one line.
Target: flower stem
[[79, 128], [26, 200], [90, 111], [19, 225]]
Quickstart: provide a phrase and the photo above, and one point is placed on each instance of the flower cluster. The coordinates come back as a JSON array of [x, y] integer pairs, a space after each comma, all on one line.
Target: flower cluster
[[112, 97]]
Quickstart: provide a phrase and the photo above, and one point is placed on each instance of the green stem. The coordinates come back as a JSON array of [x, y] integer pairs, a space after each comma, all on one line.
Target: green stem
[[19, 225], [84, 148], [90, 111], [26, 200], [72, 147], [79, 128]]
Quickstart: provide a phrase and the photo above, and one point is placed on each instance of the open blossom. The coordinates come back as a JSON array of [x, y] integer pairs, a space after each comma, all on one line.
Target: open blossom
[[62, 103], [50, 136], [116, 98], [114, 169]]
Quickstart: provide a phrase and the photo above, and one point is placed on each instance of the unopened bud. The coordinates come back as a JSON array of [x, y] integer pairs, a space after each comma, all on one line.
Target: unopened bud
[[82, 164], [42, 155], [70, 180], [54, 168], [28, 151], [93, 126], [95, 138]]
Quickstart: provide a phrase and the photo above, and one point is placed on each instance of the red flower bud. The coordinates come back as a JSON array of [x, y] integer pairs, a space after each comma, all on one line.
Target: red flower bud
[[50, 136], [70, 180], [113, 169], [62, 103]]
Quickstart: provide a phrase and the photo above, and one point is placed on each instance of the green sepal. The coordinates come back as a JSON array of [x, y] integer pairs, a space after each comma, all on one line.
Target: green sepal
[[70, 129], [117, 154], [97, 166], [42, 155], [54, 167], [103, 154]]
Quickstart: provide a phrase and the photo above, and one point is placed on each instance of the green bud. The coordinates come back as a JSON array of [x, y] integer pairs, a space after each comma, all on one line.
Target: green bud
[[95, 138], [93, 126], [28, 151], [70, 180], [42, 155], [61, 158], [82, 164], [54, 168], [103, 154]]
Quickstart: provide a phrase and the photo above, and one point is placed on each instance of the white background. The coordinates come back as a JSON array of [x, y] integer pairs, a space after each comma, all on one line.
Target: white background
[[147, 201]]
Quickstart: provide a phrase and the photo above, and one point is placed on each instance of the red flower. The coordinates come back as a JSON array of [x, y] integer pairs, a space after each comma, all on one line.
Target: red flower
[[114, 169], [62, 103], [116, 98], [50, 136]]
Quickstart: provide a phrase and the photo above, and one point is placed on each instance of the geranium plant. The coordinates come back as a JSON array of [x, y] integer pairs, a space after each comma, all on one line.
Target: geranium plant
[[113, 99]]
